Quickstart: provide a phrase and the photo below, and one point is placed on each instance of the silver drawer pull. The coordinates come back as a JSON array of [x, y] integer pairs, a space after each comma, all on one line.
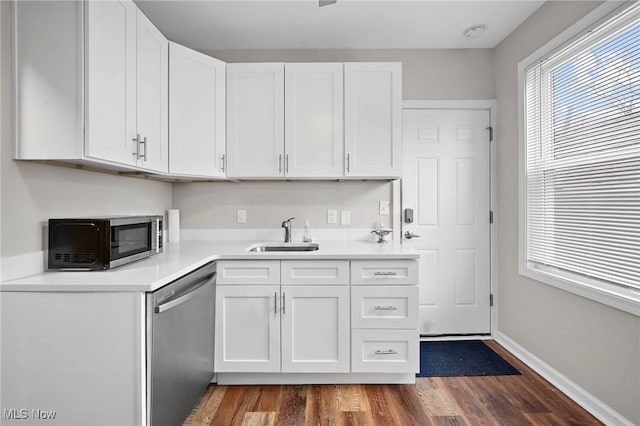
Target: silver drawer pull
[[385, 308], [385, 274], [387, 352]]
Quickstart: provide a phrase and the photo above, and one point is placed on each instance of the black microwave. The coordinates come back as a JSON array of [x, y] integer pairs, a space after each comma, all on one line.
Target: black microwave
[[103, 243]]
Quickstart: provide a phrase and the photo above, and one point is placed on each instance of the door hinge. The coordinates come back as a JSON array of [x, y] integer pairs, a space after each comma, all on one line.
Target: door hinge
[[490, 129], [491, 216], [491, 300]]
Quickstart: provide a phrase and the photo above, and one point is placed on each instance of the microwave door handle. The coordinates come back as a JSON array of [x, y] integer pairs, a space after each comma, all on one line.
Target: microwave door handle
[[184, 298]]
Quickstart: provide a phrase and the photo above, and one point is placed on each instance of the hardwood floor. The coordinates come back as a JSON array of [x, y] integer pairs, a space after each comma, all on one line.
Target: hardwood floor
[[525, 399]]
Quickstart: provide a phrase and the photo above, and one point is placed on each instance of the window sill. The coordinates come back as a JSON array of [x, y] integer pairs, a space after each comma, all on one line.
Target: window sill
[[624, 299]]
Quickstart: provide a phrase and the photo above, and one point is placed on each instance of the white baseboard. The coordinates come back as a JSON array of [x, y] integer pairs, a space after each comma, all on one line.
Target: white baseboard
[[593, 405]]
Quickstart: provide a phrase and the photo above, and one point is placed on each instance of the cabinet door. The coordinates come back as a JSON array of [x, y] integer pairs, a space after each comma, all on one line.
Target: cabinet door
[[90, 338], [313, 120], [248, 272], [152, 87], [110, 81], [255, 120], [372, 99], [317, 272], [385, 351], [384, 306], [247, 330], [315, 329], [384, 272], [196, 113]]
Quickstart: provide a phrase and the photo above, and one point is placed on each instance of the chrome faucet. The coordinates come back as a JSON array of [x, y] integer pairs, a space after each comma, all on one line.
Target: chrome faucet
[[287, 229]]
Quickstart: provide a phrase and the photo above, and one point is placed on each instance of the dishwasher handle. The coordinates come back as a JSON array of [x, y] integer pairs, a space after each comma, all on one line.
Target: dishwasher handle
[[199, 288]]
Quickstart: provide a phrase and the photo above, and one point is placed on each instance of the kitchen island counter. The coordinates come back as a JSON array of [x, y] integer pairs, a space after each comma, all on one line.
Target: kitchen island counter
[[181, 258]]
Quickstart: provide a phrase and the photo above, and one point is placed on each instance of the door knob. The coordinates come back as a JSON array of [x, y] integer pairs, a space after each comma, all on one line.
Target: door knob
[[409, 235]]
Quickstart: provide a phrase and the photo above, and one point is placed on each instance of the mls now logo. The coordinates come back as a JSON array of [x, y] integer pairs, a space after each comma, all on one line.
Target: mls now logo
[[15, 413], [23, 414]]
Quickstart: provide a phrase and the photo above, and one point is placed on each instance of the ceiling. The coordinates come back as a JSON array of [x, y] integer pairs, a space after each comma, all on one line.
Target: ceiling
[[348, 24]]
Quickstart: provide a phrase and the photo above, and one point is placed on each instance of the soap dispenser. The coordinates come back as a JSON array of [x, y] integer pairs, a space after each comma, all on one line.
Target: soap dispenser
[[306, 233]]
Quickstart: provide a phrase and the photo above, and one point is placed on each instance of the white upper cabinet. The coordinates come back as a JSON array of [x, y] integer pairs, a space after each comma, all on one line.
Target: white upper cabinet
[[255, 120], [313, 120], [285, 120], [372, 119], [127, 87], [152, 96], [196, 113], [110, 102], [91, 77]]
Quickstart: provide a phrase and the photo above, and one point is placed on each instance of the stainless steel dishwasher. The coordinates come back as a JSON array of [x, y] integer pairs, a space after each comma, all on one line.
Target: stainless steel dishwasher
[[180, 327]]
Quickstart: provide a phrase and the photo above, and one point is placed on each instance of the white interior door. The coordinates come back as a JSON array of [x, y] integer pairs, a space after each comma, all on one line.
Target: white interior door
[[446, 181]]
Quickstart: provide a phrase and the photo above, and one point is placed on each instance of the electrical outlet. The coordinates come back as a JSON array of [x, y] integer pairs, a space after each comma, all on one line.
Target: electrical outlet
[[345, 217], [384, 208], [242, 216], [332, 216]]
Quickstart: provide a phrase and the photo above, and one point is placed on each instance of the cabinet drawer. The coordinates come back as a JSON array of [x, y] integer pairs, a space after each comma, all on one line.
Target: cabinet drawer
[[386, 272], [328, 272], [385, 351], [263, 272], [384, 307]]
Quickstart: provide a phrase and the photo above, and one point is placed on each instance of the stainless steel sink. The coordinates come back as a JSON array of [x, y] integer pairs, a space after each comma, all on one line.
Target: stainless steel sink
[[284, 247]]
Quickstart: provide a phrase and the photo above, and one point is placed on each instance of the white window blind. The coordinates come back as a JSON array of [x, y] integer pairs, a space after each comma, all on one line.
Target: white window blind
[[582, 159]]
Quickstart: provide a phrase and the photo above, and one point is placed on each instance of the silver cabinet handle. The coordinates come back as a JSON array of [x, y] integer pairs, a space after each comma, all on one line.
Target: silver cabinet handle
[[348, 162], [286, 163], [280, 163], [284, 311], [387, 352], [385, 308], [275, 302], [137, 141], [222, 158], [144, 142], [385, 274]]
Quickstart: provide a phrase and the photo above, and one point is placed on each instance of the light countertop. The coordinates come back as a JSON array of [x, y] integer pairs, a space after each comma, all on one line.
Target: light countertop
[[181, 258]]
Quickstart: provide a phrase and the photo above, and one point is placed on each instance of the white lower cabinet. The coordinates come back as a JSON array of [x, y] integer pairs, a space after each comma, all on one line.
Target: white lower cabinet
[[331, 317], [271, 328], [73, 358], [247, 331], [384, 317], [315, 329], [384, 306], [385, 351]]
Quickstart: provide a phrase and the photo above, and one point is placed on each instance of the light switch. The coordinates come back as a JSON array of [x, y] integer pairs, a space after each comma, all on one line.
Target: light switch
[[242, 216], [384, 208], [332, 216], [345, 217]]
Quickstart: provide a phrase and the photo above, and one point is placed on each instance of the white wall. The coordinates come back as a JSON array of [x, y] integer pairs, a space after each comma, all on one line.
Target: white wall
[[595, 346], [427, 74], [31, 193], [214, 205]]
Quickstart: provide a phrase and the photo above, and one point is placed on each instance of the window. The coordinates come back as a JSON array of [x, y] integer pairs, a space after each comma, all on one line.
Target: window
[[582, 161]]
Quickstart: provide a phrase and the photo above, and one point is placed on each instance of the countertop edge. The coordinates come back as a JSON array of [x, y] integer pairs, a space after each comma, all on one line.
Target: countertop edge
[[131, 281]]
